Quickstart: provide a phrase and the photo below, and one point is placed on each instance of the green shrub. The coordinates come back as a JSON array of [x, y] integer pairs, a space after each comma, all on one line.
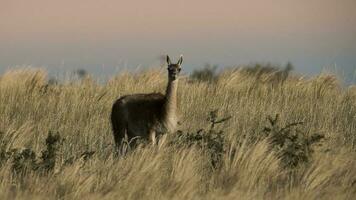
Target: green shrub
[[293, 146], [206, 74], [210, 141], [48, 157], [25, 160], [268, 73]]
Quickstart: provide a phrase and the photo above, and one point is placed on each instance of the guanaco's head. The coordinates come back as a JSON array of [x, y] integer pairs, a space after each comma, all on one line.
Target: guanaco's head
[[174, 69]]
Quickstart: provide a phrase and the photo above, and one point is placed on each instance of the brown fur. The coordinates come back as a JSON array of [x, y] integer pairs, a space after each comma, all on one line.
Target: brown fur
[[146, 115]]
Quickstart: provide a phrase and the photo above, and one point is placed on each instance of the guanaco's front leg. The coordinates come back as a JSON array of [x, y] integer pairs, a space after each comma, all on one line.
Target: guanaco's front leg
[[153, 137]]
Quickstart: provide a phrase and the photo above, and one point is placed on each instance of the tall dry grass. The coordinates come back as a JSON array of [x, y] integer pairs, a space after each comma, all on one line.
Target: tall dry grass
[[79, 112]]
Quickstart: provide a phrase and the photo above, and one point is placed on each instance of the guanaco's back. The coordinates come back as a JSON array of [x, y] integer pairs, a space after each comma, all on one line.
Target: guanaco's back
[[147, 115]]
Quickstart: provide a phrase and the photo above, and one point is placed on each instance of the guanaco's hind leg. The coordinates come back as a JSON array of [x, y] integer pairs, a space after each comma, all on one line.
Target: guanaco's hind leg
[[119, 131], [119, 128]]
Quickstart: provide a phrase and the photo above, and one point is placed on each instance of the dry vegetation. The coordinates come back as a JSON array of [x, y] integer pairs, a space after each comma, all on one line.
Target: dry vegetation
[[293, 138]]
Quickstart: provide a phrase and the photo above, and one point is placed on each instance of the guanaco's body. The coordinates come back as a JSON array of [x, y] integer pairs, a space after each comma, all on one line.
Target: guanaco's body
[[147, 115]]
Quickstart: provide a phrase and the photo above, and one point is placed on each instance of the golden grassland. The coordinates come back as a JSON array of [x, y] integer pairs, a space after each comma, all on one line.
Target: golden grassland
[[79, 112]]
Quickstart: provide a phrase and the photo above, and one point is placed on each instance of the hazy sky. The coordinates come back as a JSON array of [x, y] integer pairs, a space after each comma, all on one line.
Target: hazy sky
[[102, 36]]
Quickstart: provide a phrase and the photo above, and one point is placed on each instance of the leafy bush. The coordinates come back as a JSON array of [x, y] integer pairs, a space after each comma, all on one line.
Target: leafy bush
[[48, 157], [293, 146], [81, 73], [25, 160], [268, 73], [210, 141], [207, 74]]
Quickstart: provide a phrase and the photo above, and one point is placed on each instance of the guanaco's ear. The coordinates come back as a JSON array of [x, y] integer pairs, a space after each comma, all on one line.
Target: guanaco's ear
[[168, 60], [180, 60]]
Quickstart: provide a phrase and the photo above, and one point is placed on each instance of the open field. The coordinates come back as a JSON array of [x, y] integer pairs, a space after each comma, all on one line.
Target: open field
[[307, 152]]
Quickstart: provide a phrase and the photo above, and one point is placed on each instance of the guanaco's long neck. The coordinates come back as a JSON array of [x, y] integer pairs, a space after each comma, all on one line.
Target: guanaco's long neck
[[170, 105]]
